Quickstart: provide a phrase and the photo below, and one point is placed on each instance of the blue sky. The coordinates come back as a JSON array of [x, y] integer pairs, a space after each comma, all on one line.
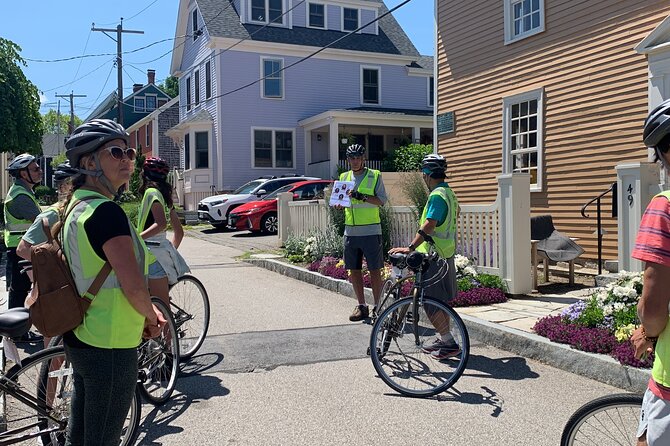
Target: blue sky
[[57, 30]]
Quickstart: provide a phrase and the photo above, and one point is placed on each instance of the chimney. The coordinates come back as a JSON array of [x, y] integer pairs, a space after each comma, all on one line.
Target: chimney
[[151, 76], [137, 87]]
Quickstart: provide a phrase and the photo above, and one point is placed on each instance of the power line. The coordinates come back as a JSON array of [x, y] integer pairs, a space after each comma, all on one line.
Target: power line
[[95, 101], [131, 17], [70, 83], [83, 52]]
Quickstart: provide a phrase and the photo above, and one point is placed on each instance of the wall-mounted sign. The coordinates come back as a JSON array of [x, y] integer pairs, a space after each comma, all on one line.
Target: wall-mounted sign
[[445, 123]]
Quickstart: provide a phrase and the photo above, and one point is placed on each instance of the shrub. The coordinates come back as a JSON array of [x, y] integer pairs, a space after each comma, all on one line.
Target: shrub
[[46, 195], [408, 158], [323, 243], [294, 245], [464, 284], [415, 190], [491, 281], [131, 209]]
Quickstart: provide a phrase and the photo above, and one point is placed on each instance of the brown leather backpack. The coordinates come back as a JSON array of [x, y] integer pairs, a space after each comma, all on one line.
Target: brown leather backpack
[[58, 307]]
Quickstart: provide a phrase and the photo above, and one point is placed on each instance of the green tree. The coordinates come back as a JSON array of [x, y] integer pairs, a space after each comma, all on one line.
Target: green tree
[[21, 129], [135, 178], [58, 159], [170, 86], [51, 120]]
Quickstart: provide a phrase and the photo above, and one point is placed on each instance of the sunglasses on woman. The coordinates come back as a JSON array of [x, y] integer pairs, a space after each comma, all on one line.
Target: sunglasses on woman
[[117, 152]]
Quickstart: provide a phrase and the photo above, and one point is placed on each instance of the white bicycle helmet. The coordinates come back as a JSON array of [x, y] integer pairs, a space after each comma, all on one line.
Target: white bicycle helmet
[[20, 162], [434, 165], [355, 150]]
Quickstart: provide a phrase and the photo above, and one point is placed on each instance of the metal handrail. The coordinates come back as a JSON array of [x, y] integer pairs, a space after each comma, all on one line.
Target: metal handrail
[[613, 189]]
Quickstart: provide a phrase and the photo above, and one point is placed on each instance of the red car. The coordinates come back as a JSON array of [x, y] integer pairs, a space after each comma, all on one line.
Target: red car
[[261, 215]]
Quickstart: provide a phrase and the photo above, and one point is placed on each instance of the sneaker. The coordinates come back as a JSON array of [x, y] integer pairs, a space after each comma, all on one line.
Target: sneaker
[[360, 312], [446, 352], [440, 349], [373, 313], [30, 338]]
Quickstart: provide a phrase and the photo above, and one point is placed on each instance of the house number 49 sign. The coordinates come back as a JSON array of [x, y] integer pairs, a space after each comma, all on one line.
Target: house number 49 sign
[[629, 190]]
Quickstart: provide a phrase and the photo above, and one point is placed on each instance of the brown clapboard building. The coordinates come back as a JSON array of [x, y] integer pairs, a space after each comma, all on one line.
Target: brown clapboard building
[[555, 88]]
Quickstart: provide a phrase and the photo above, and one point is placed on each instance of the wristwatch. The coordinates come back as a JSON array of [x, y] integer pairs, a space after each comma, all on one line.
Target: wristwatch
[[411, 247]]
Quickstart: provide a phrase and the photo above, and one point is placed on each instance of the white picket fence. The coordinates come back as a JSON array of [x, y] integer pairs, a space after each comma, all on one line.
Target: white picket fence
[[477, 228], [496, 235]]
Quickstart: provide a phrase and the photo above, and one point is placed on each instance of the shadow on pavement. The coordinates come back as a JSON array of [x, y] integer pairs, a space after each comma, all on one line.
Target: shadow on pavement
[[488, 397], [512, 368], [193, 391], [199, 364]]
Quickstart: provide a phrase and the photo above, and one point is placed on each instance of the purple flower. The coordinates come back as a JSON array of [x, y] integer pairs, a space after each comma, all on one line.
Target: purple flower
[[573, 312], [478, 296]]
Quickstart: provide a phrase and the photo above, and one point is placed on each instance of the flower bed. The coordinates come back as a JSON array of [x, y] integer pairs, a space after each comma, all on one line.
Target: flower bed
[[473, 288], [602, 323]]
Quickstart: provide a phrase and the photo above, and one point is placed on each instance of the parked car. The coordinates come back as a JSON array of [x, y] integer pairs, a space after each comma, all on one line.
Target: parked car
[[215, 209], [261, 215]]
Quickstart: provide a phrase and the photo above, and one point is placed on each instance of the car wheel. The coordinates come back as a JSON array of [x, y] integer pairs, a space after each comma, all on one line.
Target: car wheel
[[220, 226], [269, 223]]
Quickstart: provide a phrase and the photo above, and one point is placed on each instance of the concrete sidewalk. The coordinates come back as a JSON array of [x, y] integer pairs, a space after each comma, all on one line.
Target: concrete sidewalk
[[507, 326]]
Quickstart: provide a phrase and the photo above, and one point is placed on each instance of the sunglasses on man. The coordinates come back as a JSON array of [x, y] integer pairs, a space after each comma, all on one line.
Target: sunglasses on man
[[117, 152]]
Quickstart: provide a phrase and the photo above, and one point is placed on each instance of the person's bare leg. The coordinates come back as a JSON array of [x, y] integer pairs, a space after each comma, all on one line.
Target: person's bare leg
[[356, 278], [376, 281], [642, 441], [161, 289]]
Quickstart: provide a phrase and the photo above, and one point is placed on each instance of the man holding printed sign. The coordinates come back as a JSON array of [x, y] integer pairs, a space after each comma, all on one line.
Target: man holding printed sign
[[361, 192]]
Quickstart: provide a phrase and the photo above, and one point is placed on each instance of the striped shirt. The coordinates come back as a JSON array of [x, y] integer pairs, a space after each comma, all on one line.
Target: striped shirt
[[653, 238]]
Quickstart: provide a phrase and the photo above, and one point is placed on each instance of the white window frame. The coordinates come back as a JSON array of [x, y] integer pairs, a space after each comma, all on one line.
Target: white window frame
[[194, 142], [208, 79], [325, 15], [379, 84], [507, 167], [146, 106], [509, 22], [147, 138], [284, 16], [187, 85], [281, 73], [196, 88], [431, 97], [137, 140], [273, 148], [194, 23], [137, 109], [358, 19]]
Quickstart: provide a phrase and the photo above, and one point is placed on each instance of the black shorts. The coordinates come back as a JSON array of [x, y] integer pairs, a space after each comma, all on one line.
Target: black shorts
[[369, 246]]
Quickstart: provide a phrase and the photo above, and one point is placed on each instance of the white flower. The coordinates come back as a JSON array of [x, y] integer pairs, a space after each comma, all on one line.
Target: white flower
[[470, 270], [607, 310]]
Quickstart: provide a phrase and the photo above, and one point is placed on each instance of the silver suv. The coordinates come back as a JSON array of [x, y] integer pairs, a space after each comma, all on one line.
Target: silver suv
[[215, 209]]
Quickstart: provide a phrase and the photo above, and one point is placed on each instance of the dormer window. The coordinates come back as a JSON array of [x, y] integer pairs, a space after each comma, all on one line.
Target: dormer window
[[139, 105], [349, 19], [267, 11]]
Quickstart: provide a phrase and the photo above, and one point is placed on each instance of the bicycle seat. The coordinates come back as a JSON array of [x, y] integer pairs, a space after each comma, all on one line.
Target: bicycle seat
[[14, 322]]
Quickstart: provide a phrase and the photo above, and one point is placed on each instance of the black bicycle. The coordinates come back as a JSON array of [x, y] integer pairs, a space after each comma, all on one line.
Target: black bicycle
[[402, 345], [37, 391], [608, 420]]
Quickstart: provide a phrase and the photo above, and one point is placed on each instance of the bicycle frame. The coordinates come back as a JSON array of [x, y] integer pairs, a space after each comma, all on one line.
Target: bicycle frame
[[7, 386]]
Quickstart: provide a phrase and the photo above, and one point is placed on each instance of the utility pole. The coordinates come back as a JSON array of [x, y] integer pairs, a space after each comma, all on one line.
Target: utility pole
[[71, 96], [119, 61]]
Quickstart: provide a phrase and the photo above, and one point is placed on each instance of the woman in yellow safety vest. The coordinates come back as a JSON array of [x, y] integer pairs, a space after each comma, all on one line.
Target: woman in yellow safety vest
[[96, 231], [167, 264]]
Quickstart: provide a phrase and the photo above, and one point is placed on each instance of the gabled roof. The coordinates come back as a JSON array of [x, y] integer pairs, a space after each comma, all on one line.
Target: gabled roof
[[153, 114], [107, 104], [423, 62], [224, 22], [658, 39]]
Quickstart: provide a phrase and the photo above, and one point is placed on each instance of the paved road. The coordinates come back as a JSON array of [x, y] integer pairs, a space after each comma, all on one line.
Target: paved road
[[283, 366]]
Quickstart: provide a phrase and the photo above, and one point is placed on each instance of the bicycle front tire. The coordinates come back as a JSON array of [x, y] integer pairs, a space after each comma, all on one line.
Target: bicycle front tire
[[608, 420], [189, 304], [158, 360], [402, 363]]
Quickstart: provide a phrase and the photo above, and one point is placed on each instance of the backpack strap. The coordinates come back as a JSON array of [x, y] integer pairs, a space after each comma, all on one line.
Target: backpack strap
[[55, 232]]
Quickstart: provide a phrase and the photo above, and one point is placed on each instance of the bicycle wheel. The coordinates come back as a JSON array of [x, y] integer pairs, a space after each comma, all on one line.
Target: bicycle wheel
[[19, 415], [608, 420], [59, 388], [400, 358], [158, 360], [190, 307]]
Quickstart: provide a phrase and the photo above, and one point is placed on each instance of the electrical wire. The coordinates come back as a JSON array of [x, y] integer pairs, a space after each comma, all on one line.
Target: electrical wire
[[95, 101], [131, 17], [90, 31], [78, 79]]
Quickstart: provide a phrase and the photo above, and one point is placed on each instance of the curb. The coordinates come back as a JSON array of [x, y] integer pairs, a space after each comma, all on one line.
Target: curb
[[598, 367]]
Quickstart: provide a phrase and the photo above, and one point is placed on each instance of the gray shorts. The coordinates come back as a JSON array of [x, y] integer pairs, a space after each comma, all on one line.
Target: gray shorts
[[370, 246], [445, 289], [655, 420]]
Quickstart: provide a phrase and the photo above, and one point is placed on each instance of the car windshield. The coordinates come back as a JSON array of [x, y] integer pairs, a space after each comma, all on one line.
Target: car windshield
[[273, 195], [250, 186]]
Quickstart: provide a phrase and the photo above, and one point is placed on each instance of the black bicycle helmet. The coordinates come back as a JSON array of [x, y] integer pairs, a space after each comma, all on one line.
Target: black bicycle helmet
[[156, 169], [89, 136], [657, 124], [20, 162], [434, 165], [355, 150], [64, 171]]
